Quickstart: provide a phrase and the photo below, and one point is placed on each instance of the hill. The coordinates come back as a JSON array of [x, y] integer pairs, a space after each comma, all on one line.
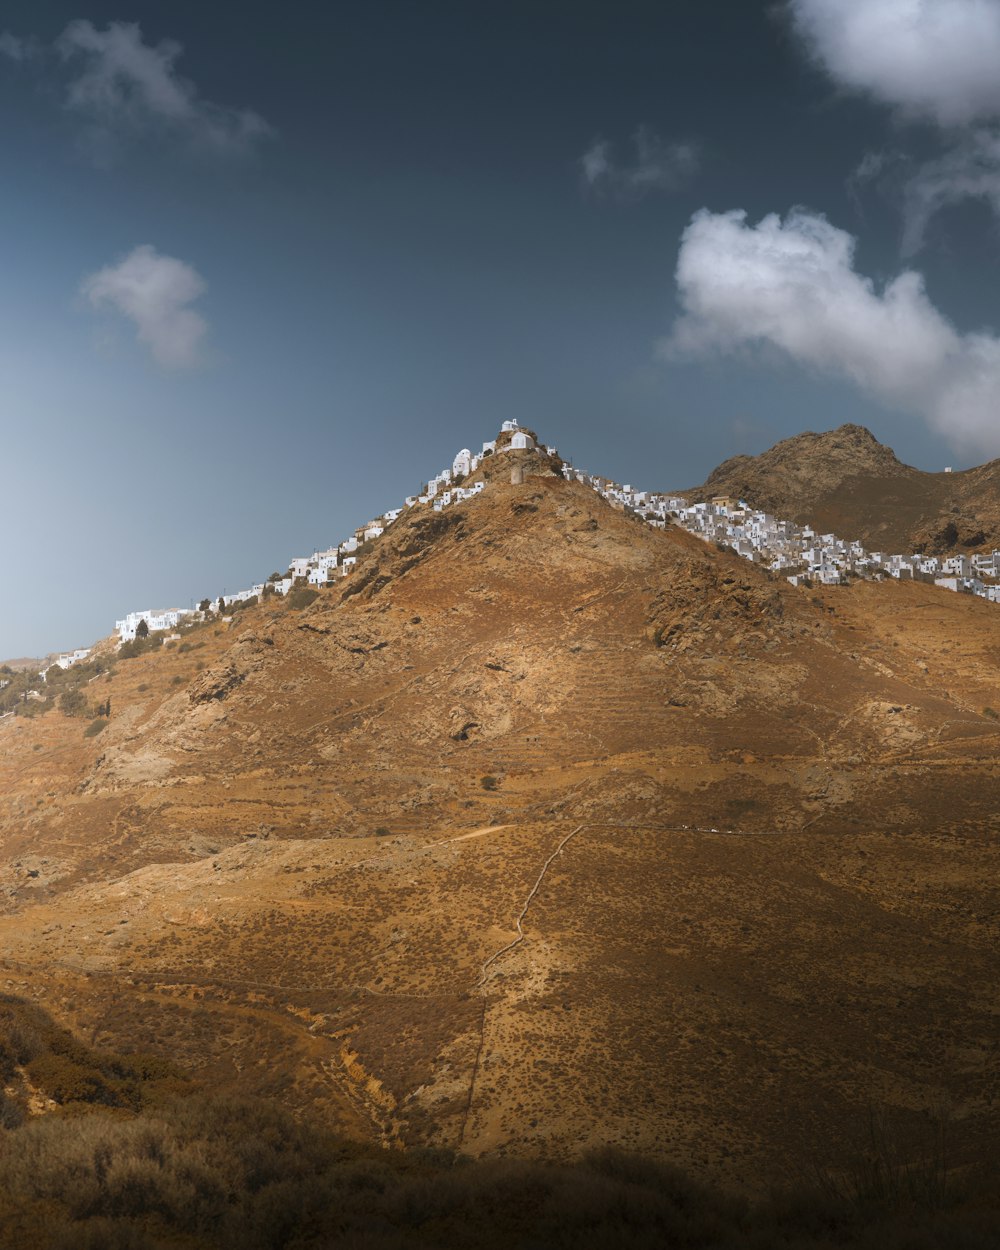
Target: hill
[[542, 830], [846, 482]]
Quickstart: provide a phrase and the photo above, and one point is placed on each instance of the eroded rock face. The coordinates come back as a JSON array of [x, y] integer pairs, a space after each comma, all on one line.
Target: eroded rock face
[[216, 685]]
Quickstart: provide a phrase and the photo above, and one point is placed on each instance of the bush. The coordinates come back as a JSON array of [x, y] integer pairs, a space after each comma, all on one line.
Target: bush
[[95, 727], [301, 597], [139, 646], [73, 703], [488, 782]]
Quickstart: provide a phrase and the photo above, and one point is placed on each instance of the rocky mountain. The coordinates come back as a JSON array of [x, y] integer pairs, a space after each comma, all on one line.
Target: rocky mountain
[[545, 828], [846, 482]]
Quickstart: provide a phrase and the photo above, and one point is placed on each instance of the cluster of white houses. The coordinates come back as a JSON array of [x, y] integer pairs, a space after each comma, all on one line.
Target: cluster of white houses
[[798, 551], [323, 567]]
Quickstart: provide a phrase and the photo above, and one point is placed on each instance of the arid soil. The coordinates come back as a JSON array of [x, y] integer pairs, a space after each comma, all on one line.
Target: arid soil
[[544, 829], [845, 482]]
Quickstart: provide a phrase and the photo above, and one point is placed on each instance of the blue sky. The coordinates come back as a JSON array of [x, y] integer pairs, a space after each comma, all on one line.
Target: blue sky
[[265, 271]]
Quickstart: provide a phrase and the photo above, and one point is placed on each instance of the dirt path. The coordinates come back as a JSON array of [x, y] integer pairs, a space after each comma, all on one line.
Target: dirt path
[[480, 984], [464, 837], [524, 910]]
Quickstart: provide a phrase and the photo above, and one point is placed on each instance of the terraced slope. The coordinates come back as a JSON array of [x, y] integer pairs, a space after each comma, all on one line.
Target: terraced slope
[[543, 829]]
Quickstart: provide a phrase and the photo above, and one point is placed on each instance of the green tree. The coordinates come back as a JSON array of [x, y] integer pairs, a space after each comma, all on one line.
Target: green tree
[[142, 629], [73, 703]]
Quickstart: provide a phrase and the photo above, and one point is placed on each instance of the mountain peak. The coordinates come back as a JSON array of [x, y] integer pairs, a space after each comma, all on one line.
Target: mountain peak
[[846, 481]]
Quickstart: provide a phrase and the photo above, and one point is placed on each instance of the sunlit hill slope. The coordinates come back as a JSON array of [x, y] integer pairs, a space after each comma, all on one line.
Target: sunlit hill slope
[[543, 829]]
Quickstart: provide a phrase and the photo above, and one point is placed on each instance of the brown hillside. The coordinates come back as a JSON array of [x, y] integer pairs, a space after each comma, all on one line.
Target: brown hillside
[[543, 829], [847, 483]]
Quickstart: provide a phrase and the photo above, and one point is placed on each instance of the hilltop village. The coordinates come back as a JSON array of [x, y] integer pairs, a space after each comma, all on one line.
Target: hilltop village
[[325, 567], [802, 555]]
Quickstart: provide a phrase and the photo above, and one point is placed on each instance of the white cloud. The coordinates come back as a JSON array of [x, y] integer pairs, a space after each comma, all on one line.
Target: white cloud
[[969, 170], [791, 286], [657, 166], [124, 88], [932, 60], [935, 59], [154, 292]]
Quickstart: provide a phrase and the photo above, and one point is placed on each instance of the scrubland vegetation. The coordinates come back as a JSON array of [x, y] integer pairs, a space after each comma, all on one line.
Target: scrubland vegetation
[[128, 1155]]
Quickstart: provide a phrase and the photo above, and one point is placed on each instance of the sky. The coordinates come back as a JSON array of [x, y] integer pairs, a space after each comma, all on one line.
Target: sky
[[264, 271]]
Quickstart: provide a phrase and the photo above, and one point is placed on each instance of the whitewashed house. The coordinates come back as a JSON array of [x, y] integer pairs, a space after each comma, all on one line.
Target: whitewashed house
[[73, 657], [157, 620]]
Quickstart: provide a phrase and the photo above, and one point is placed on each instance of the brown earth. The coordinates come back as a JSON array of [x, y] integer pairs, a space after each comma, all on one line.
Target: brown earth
[[543, 829], [847, 483]]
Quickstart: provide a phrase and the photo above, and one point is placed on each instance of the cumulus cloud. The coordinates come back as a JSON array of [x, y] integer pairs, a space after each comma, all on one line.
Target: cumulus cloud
[[934, 59], [791, 286], [656, 166], [930, 60], [154, 292]]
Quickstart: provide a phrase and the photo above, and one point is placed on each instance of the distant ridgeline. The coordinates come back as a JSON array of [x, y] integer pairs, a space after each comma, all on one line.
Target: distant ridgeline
[[782, 546]]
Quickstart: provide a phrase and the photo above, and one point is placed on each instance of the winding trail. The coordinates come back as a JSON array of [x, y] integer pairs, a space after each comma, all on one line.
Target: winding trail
[[524, 910], [480, 984]]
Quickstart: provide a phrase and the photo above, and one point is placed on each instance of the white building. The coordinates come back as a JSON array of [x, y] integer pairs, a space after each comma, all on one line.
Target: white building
[[157, 620], [73, 657]]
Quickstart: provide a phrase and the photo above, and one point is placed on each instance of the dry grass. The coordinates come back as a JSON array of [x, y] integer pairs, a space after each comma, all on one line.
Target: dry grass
[[220, 1173]]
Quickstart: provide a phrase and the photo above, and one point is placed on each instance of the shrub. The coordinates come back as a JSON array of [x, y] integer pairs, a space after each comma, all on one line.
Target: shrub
[[489, 782], [73, 703], [301, 597], [95, 727], [139, 646]]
